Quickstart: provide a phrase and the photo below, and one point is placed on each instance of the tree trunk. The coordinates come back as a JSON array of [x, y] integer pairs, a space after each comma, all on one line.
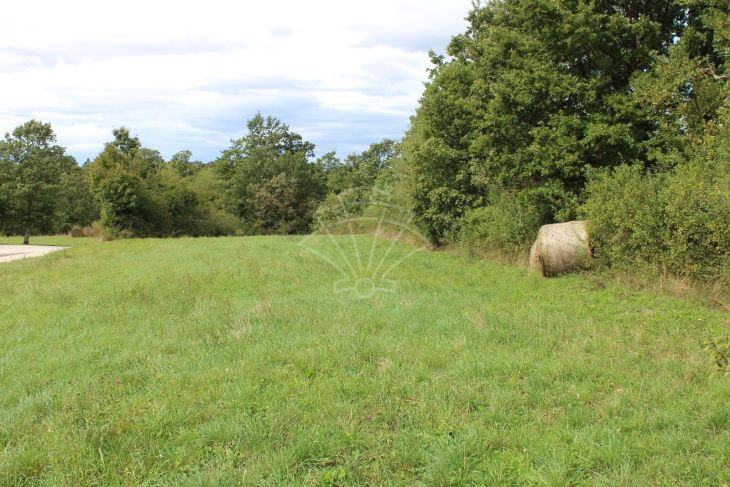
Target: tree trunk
[[28, 219]]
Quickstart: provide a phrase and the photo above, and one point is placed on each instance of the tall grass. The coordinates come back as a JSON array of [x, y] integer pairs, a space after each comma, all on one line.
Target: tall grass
[[232, 361]]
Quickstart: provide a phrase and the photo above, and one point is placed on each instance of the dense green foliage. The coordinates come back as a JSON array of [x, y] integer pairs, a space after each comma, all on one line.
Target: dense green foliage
[[532, 94], [265, 183], [141, 194], [501, 227], [42, 189], [678, 219], [676, 215], [270, 181], [537, 97], [357, 183]]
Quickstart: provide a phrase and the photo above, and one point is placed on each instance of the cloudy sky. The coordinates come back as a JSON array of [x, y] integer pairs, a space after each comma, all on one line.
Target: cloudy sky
[[189, 74]]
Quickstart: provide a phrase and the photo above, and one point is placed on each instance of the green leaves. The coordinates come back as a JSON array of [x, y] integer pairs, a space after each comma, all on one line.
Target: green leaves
[[32, 168], [140, 194], [260, 165], [536, 94], [678, 220]]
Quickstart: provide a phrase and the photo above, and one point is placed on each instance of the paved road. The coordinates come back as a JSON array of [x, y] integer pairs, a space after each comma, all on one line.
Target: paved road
[[16, 252]]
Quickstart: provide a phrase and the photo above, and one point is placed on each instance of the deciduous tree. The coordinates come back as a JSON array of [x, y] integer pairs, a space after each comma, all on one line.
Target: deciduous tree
[[32, 171], [272, 157]]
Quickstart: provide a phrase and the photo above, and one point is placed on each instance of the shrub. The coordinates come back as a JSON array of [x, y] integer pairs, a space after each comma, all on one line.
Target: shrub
[[282, 205], [337, 211], [123, 204], [383, 205], [95, 230], [697, 209], [626, 217], [213, 222], [677, 221], [506, 226]]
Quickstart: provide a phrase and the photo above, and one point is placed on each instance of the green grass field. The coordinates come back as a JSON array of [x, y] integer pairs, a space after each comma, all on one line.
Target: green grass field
[[231, 361]]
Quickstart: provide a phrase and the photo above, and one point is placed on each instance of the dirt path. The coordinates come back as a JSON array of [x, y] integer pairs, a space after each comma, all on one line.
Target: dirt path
[[17, 252]]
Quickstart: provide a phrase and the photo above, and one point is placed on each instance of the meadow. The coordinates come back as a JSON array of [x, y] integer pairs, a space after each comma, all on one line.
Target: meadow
[[232, 361]]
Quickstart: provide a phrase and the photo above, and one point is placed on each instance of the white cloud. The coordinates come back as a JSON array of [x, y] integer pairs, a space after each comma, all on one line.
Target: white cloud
[[188, 74]]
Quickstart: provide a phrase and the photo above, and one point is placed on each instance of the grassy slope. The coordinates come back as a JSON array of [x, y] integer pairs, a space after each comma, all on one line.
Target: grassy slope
[[231, 360]]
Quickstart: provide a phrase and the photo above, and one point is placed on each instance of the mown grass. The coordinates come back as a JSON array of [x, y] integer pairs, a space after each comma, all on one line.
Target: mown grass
[[232, 361]]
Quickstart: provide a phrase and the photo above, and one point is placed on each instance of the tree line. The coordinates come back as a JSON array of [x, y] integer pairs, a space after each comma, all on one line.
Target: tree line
[[267, 182], [617, 112]]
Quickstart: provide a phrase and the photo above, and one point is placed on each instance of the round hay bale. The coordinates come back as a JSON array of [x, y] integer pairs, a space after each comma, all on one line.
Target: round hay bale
[[561, 248], [76, 232]]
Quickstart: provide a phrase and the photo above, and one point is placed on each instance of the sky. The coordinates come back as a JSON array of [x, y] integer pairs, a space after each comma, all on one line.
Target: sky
[[188, 75]]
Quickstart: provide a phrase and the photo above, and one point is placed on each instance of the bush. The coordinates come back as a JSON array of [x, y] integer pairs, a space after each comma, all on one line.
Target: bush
[[383, 205], [625, 216], [677, 221], [125, 206], [697, 209], [214, 222], [337, 213], [281, 206], [212, 216], [95, 230], [507, 226]]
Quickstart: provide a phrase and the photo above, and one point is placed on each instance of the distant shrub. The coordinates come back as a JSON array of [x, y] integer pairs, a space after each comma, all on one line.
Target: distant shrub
[[506, 226], [336, 211], [281, 206], [359, 210], [389, 207], [94, 230], [214, 222], [382, 207]]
